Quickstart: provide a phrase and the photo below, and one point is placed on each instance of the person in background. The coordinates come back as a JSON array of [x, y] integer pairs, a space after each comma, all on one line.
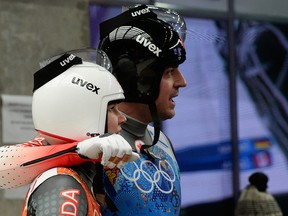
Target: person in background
[[255, 200], [145, 53]]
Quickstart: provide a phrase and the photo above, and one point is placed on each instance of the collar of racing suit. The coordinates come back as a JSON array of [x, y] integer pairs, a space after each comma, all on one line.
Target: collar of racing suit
[[133, 130]]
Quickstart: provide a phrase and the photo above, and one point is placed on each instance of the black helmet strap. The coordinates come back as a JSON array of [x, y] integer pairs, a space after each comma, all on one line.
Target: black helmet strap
[[54, 69], [156, 122]]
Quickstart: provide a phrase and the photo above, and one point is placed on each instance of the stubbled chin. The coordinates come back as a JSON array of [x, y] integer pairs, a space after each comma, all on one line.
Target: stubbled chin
[[172, 114], [167, 115]]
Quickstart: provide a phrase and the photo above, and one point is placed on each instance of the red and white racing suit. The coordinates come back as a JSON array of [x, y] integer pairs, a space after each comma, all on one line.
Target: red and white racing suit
[[62, 191], [16, 169]]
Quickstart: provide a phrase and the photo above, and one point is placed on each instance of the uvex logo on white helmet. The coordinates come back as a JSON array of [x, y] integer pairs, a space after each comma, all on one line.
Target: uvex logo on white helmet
[[72, 106], [147, 43], [83, 83]]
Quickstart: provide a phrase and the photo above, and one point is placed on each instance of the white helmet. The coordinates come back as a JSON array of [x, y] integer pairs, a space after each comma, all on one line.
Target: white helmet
[[71, 96]]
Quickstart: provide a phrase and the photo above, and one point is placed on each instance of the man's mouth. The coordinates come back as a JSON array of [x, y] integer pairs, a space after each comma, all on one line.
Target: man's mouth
[[172, 98]]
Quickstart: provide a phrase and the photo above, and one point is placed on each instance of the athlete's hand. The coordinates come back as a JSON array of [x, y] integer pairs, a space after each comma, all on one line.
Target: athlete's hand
[[113, 148]]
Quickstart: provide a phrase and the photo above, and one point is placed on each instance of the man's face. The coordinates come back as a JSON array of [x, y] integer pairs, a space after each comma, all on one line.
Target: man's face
[[171, 81]]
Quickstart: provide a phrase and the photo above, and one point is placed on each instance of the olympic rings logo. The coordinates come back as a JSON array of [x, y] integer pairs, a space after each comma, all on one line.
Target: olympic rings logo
[[153, 176]]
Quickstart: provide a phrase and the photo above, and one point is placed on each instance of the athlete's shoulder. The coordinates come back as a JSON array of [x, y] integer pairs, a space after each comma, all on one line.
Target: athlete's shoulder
[[164, 140], [162, 137], [150, 128], [57, 189], [56, 178], [37, 141]]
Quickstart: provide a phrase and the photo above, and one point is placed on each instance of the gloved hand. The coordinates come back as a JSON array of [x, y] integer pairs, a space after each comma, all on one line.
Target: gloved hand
[[113, 148]]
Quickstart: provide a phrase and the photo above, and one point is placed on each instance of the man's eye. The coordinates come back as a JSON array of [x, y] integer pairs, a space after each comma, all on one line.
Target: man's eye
[[169, 72]]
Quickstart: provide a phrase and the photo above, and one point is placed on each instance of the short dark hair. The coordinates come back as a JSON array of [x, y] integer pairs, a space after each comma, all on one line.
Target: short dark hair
[[259, 180]]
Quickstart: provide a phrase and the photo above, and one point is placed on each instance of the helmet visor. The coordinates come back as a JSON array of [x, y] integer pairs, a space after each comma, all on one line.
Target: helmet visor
[[169, 16], [56, 65], [95, 56]]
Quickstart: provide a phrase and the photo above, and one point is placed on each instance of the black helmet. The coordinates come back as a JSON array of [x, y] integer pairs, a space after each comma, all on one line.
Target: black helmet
[[140, 46]]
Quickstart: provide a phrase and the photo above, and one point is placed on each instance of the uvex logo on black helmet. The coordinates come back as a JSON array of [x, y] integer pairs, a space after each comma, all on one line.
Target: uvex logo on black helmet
[[147, 43], [67, 60], [140, 12]]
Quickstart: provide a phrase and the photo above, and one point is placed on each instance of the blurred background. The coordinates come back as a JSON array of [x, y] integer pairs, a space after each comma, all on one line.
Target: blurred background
[[231, 119]]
